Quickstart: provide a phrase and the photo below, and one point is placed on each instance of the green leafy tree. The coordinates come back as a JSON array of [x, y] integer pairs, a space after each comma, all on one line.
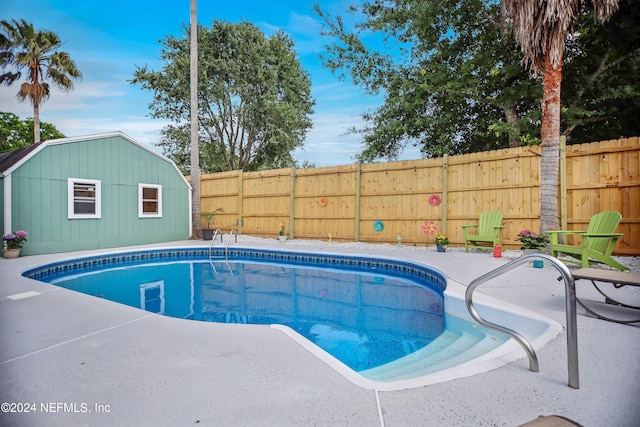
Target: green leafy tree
[[601, 77], [16, 133], [254, 97], [450, 73], [306, 164], [22, 48], [453, 79]]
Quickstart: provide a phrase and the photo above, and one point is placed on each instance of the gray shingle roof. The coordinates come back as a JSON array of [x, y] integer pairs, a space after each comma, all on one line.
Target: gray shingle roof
[[10, 158]]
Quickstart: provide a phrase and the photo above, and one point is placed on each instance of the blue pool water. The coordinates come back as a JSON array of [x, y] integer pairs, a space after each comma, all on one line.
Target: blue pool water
[[365, 312]]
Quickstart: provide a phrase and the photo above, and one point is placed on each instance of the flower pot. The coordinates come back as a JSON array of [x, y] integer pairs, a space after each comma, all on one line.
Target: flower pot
[[11, 253], [207, 234], [282, 238], [441, 248]]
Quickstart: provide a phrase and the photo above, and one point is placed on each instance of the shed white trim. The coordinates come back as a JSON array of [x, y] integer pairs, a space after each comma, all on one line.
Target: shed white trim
[[7, 203]]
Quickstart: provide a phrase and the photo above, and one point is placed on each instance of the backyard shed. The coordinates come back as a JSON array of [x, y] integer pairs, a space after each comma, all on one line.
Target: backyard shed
[[90, 192]]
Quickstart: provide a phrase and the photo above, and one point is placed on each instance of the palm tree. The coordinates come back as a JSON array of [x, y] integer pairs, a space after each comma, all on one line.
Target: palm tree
[[22, 47], [541, 29]]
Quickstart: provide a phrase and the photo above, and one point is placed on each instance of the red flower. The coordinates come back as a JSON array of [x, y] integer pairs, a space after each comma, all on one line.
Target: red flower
[[434, 200]]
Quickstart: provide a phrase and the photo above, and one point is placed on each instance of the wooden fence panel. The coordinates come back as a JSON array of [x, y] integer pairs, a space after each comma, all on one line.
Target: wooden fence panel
[[397, 194], [605, 176], [220, 191], [346, 201], [504, 180], [266, 201], [325, 203]]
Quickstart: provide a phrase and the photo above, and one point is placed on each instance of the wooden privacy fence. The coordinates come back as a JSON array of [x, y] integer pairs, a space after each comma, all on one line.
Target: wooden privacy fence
[[384, 202]]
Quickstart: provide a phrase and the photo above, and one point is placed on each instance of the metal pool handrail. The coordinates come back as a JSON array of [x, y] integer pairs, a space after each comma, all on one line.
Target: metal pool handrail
[[570, 302], [231, 233], [213, 239], [226, 249], [215, 233]]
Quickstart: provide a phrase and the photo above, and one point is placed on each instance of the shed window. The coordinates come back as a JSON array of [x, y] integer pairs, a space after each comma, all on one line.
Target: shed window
[[84, 197], [149, 201], [152, 297]]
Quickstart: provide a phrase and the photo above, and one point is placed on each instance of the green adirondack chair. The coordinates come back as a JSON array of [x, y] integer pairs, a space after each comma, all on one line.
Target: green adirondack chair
[[597, 242], [487, 234]]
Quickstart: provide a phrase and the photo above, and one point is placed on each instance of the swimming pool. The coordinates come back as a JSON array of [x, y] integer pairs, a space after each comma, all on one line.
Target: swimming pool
[[387, 298]]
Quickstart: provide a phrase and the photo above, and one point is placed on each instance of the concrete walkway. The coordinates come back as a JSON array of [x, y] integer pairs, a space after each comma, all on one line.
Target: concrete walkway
[[69, 359]]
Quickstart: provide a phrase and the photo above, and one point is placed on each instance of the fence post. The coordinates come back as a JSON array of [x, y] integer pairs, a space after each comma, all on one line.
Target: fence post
[[292, 204], [357, 204], [240, 221], [445, 176]]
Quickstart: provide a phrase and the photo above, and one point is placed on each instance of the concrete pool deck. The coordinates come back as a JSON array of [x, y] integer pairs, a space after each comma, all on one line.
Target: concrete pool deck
[[73, 359]]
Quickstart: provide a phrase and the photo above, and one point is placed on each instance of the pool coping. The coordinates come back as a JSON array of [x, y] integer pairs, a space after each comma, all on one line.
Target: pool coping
[[453, 293], [501, 356], [47, 337]]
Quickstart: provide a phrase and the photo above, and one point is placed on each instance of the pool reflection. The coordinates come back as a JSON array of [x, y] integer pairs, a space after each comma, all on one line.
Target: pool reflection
[[363, 319]]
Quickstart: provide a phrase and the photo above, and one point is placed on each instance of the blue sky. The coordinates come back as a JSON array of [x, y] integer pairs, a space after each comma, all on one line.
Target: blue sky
[[109, 39]]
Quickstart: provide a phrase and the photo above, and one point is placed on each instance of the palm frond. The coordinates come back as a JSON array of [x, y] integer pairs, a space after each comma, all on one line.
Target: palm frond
[[541, 27]]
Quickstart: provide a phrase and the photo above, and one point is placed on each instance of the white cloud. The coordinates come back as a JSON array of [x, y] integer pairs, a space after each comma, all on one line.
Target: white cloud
[[303, 23], [84, 95], [344, 96], [328, 143], [92, 107], [141, 129]]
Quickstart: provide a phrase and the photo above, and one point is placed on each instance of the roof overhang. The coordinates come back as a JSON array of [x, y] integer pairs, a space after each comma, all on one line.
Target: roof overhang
[[40, 146]]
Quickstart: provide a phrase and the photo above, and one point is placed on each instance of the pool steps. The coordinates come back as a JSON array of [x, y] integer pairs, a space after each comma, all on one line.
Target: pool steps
[[460, 343]]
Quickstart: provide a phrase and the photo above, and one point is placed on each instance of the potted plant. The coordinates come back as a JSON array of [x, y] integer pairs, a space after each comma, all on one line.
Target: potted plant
[[441, 242], [532, 242], [13, 243], [281, 236], [207, 233]]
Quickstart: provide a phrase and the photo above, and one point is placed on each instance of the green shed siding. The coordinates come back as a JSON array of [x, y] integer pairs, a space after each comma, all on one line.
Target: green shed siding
[[2, 203], [39, 196]]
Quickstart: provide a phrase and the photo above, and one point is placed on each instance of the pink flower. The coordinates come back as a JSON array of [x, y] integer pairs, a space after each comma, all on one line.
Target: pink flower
[[429, 227], [14, 240], [434, 200]]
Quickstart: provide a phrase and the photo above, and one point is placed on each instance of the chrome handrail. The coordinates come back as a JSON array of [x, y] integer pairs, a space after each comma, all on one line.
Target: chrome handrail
[[215, 233], [231, 233], [213, 239], [570, 302]]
